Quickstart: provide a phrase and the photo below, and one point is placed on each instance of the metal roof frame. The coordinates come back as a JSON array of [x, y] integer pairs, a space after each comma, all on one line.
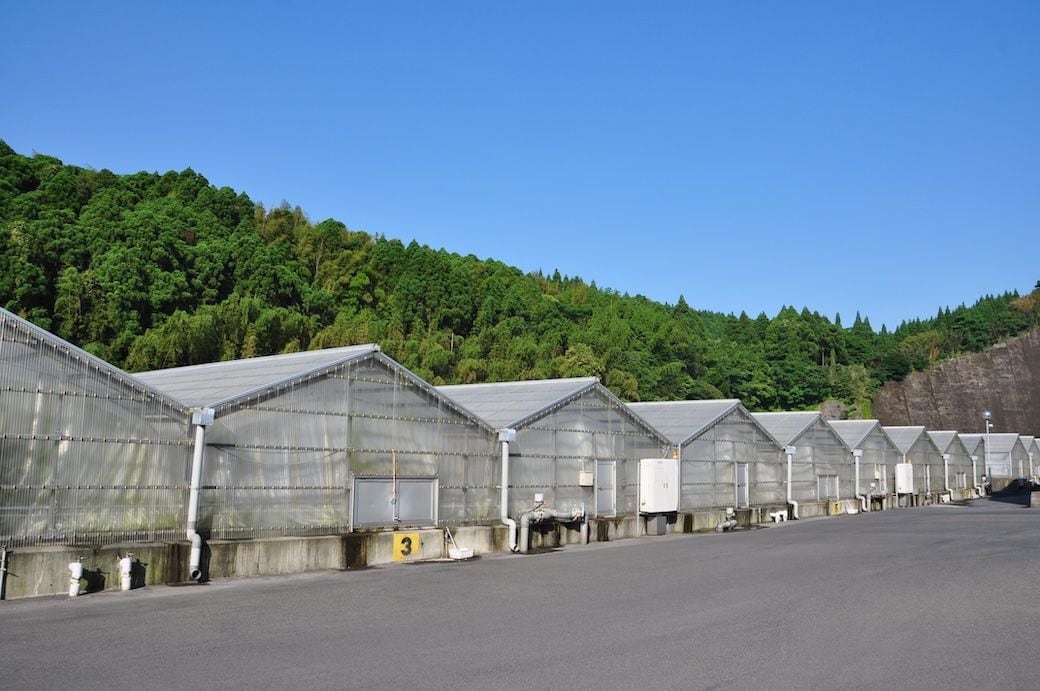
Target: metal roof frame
[[812, 417], [949, 437], [875, 424], [727, 407], [581, 385], [91, 361], [921, 432], [349, 354]]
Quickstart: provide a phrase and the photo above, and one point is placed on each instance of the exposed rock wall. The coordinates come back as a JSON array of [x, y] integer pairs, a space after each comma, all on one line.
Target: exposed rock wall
[[1005, 379]]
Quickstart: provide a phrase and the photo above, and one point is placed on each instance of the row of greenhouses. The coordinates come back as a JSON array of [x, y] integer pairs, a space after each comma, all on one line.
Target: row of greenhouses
[[347, 440]]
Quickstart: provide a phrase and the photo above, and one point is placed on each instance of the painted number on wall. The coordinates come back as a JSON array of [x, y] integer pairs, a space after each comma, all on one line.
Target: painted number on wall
[[406, 546]]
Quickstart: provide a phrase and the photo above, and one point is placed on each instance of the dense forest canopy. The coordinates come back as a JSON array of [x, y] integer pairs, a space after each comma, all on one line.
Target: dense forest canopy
[[150, 271]]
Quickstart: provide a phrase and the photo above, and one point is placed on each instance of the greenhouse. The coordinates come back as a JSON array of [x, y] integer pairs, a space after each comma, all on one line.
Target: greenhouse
[[1006, 456], [960, 472], [573, 447], [821, 463], [878, 457], [975, 444], [328, 441], [727, 458], [918, 449], [88, 454], [1003, 454], [1032, 454]]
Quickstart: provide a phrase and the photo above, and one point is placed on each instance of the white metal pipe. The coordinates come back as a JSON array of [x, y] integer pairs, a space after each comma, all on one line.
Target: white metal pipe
[[505, 436], [584, 527], [986, 415], [864, 505], [200, 418], [537, 516], [75, 574], [946, 474], [975, 476], [791, 451], [3, 571], [728, 524], [126, 565]]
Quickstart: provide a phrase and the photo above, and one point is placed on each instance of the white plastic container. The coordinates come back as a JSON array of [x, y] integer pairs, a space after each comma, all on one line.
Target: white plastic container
[[658, 485]]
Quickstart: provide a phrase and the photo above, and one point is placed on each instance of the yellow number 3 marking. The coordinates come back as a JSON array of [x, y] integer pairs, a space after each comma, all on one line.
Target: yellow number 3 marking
[[406, 545]]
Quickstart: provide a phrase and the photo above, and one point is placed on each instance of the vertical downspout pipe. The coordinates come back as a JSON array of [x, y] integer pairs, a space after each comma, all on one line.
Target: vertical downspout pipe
[[946, 474], [791, 451], [864, 504], [975, 476], [201, 418], [506, 435], [3, 571]]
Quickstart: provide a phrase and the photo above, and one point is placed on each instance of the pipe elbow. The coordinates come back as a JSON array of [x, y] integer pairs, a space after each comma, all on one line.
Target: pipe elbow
[[195, 560]]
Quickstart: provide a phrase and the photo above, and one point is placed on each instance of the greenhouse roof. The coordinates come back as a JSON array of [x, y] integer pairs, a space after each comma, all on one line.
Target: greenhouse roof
[[220, 382], [975, 443], [1003, 442], [681, 421], [787, 427], [853, 432], [30, 332], [904, 437], [511, 404], [944, 440]]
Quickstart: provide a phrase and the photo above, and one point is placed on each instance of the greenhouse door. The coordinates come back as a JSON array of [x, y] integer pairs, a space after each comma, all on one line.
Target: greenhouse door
[[606, 497], [743, 500], [381, 502]]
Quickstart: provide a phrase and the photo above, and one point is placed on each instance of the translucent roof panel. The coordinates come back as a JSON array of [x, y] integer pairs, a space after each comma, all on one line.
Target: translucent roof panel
[[975, 443], [904, 437], [786, 427], [509, 404], [943, 440], [219, 382], [20, 354], [1003, 442], [853, 432], [680, 421]]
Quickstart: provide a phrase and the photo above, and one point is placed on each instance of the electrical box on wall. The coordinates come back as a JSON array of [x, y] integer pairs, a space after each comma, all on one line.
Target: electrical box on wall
[[658, 485], [904, 478], [586, 478]]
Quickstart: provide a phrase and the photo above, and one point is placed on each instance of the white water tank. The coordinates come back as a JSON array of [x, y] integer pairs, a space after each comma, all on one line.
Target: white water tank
[[904, 478], [658, 485]]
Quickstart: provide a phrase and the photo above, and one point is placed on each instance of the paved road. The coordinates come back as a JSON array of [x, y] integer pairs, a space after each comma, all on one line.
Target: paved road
[[938, 597]]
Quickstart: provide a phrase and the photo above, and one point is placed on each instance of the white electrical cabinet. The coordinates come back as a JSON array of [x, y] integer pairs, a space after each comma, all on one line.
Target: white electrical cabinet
[[658, 485], [904, 478]]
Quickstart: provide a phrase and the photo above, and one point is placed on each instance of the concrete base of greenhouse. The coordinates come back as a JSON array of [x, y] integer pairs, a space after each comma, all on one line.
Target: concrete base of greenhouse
[[39, 571], [35, 571]]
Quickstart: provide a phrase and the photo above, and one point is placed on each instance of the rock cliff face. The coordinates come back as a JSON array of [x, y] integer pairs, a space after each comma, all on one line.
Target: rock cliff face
[[1005, 379]]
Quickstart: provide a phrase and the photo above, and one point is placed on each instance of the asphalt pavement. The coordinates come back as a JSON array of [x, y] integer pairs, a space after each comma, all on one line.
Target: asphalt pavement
[[927, 598]]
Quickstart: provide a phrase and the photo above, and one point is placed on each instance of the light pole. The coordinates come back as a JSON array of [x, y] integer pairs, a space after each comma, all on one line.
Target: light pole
[[987, 417]]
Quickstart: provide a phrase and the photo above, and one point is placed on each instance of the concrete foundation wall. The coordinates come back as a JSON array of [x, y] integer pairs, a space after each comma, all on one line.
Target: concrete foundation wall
[[39, 571], [45, 570]]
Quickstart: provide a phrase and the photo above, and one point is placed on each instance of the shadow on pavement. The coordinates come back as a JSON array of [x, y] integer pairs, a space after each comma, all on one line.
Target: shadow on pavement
[[1017, 496]]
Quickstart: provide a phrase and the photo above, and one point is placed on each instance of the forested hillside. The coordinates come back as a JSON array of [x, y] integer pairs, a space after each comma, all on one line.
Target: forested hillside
[[157, 270]]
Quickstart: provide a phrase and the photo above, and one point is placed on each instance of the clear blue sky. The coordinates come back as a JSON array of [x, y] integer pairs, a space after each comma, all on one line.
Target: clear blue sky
[[874, 156]]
